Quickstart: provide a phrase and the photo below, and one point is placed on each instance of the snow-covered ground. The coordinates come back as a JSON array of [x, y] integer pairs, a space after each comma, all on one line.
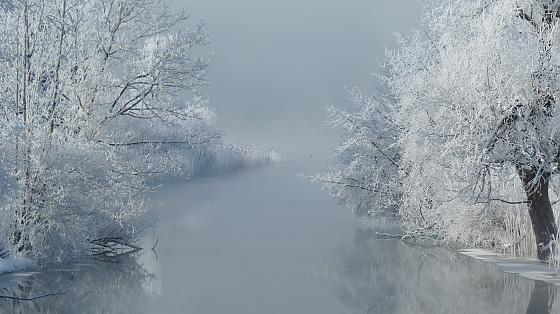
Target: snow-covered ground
[[15, 263], [527, 268]]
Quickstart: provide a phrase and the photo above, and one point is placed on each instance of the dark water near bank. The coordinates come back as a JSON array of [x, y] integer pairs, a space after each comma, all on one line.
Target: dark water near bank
[[266, 242]]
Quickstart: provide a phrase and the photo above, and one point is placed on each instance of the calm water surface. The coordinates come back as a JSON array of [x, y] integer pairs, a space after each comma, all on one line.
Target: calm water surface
[[265, 242]]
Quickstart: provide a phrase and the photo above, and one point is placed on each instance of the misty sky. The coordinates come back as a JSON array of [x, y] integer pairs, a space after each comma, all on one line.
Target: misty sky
[[279, 63]]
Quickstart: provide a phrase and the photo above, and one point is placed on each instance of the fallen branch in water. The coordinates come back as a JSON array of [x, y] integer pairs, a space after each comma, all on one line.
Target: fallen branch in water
[[389, 236], [154, 248], [31, 299], [113, 247]]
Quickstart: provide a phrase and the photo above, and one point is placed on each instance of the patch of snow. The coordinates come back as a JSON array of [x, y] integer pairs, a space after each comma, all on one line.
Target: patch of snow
[[527, 268], [11, 264]]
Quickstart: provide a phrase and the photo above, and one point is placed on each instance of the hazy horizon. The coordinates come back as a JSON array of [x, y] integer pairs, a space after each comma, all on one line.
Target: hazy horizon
[[278, 64]]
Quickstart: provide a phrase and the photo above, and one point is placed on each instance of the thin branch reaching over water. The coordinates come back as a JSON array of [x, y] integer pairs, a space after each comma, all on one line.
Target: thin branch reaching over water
[[389, 236], [33, 298]]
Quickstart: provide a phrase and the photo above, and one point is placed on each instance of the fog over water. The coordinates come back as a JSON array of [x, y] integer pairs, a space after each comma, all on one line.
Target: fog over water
[[267, 241], [279, 63]]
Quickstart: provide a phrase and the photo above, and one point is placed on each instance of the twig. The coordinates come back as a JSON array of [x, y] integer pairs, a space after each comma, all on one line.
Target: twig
[[504, 201], [348, 185], [31, 299], [389, 236], [481, 10], [154, 248]]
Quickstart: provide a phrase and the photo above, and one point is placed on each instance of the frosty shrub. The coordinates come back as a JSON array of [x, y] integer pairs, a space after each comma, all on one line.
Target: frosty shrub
[[90, 112], [464, 138]]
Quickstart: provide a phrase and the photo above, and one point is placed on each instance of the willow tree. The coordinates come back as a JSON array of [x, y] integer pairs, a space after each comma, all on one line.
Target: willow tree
[[90, 111], [472, 97]]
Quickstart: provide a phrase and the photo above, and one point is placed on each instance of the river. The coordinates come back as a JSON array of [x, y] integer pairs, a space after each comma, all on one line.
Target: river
[[267, 241]]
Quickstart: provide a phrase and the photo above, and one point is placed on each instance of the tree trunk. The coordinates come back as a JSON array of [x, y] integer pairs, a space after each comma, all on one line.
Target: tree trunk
[[540, 211]]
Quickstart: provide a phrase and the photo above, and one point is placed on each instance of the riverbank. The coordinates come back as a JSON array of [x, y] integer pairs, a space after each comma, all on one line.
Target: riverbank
[[527, 268]]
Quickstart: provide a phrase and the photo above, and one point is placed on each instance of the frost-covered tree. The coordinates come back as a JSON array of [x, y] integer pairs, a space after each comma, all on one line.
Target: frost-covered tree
[[473, 100], [370, 157], [90, 112]]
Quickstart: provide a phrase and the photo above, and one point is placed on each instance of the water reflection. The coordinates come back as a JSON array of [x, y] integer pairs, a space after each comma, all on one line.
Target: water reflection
[[223, 250], [115, 286], [372, 275], [542, 298]]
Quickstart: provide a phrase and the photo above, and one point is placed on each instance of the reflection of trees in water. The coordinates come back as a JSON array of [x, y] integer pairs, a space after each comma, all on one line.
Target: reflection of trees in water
[[385, 276], [543, 299], [118, 286]]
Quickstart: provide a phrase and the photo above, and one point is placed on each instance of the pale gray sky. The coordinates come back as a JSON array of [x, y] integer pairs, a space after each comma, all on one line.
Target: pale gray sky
[[279, 63]]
